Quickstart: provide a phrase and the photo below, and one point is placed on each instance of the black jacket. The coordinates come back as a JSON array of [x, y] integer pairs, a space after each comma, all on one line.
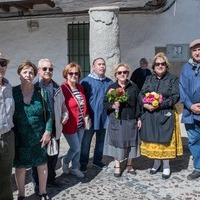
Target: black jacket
[[138, 77], [158, 125], [129, 109]]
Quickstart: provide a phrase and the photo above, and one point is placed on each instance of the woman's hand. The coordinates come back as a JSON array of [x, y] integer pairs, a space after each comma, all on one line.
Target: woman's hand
[[150, 107], [139, 124], [116, 105], [64, 118], [45, 138]]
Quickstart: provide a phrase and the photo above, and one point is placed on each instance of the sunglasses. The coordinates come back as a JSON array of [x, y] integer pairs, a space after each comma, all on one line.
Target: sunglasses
[[3, 63], [46, 68], [73, 73], [162, 64], [122, 72]]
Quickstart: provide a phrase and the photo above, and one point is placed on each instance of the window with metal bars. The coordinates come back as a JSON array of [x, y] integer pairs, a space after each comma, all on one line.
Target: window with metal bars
[[78, 46]]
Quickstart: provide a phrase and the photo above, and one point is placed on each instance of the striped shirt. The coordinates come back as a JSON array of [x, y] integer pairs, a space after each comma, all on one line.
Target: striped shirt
[[80, 100], [7, 107]]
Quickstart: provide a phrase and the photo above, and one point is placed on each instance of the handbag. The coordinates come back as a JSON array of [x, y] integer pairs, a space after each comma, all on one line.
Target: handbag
[[87, 122], [52, 147]]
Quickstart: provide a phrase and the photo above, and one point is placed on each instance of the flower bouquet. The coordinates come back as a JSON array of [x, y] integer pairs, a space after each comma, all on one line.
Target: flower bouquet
[[117, 95], [153, 98]]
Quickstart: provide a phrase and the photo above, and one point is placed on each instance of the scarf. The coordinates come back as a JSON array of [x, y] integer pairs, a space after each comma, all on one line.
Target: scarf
[[195, 66], [95, 76]]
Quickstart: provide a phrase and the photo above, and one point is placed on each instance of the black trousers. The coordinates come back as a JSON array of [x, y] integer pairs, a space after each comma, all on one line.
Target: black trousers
[[51, 164]]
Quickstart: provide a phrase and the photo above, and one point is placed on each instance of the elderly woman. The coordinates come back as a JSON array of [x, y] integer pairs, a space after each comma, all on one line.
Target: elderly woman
[[160, 131], [32, 129], [122, 132], [73, 128]]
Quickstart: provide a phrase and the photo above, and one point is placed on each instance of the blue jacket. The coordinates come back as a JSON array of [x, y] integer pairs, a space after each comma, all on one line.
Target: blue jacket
[[189, 92], [95, 89]]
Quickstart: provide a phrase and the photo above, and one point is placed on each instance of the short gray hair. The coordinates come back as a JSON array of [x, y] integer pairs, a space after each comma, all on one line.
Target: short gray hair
[[43, 60]]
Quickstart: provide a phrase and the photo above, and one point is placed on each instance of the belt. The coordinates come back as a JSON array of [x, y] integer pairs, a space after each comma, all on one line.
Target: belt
[[2, 136]]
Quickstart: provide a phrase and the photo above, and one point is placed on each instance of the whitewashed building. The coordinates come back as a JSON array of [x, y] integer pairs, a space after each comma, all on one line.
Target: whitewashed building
[[60, 30]]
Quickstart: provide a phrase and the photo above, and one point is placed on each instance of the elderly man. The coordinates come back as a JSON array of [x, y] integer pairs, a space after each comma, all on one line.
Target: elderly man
[[44, 80], [140, 74], [6, 133], [95, 85], [190, 97]]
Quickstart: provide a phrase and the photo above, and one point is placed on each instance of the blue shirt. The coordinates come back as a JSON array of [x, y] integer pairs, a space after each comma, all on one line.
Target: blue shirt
[[95, 89], [189, 92]]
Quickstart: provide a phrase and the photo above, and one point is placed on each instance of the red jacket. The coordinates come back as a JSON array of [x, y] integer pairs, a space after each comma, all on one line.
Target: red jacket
[[73, 108]]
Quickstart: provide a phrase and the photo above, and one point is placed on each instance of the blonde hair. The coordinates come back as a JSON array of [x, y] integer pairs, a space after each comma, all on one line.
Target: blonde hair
[[121, 65], [163, 56]]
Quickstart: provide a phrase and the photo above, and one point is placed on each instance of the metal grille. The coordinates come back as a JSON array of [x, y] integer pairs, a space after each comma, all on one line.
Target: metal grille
[[78, 41]]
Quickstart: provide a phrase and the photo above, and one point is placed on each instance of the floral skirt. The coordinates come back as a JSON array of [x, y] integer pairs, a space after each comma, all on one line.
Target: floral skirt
[[165, 151]]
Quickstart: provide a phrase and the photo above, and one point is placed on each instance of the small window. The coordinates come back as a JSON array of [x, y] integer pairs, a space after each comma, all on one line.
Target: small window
[[78, 43]]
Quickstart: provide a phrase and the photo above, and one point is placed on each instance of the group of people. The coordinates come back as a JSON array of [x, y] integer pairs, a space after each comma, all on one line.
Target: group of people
[[130, 117]]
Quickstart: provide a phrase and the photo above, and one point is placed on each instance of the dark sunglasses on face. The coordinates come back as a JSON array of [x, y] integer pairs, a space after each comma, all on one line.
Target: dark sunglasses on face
[[3, 63], [73, 73], [45, 69], [121, 72], [162, 64]]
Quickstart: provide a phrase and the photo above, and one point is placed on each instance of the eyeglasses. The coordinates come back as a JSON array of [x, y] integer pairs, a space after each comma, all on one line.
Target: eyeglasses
[[121, 72], [3, 63], [158, 64], [46, 68], [73, 73]]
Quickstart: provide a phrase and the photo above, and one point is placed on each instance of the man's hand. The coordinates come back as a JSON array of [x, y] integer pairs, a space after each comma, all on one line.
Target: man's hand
[[195, 108]]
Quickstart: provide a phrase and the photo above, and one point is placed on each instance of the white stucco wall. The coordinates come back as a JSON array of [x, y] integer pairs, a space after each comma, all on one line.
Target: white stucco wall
[[139, 34], [50, 41]]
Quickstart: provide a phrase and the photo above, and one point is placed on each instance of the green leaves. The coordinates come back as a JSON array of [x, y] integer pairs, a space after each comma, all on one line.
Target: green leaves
[[117, 95]]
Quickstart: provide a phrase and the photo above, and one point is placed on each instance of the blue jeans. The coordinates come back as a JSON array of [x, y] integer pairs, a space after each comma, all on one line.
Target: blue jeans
[[73, 154], [193, 131], [85, 148]]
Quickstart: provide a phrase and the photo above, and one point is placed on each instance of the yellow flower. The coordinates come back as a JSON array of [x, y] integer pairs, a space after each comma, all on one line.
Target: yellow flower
[[147, 94], [155, 103], [156, 96]]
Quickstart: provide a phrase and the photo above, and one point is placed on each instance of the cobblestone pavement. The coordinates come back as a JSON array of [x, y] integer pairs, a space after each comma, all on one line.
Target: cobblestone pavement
[[102, 185]]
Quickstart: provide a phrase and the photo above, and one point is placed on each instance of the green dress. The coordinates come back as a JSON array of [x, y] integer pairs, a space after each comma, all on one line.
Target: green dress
[[29, 126]]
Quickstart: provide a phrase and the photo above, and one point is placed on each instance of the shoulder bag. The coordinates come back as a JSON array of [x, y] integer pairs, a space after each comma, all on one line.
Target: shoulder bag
[[52, 146]]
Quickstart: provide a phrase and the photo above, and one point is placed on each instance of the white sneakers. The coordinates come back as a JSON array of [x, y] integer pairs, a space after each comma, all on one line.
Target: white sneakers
[[65, 167], [77, 173]]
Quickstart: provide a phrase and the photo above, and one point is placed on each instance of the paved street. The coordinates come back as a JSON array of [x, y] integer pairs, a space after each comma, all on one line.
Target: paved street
[[102, 185]]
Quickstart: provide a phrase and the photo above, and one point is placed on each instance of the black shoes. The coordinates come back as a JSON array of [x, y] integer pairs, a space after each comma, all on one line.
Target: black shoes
[[154, 171], [100, 165], [117, 172], [194, 175], [130, 170], [83, 168], [164, 176], [44, 197], [21, 198]]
